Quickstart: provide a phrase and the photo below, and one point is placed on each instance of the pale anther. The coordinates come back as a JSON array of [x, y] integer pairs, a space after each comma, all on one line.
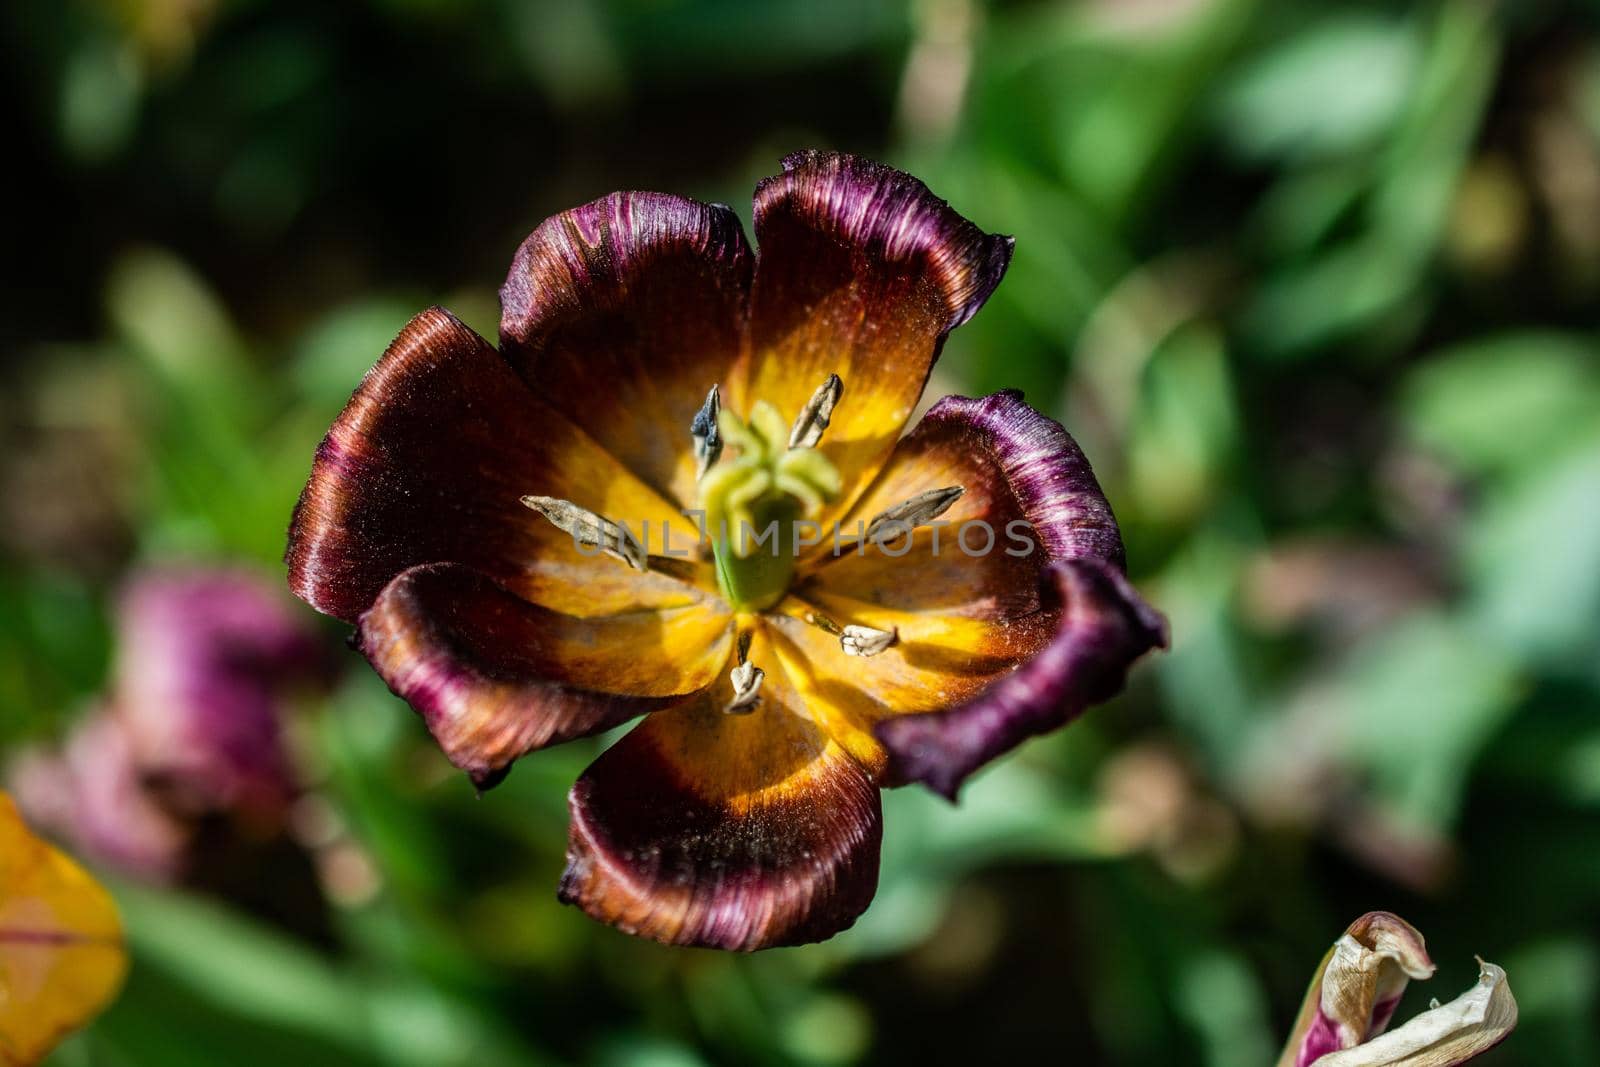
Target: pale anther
[[866, 641], [814, 416], [707, 437], [908, 515], [590, 529], [746, 678]]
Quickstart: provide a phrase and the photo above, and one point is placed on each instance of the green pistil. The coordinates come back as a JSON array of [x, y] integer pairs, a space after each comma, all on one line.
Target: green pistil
[[754, 504]]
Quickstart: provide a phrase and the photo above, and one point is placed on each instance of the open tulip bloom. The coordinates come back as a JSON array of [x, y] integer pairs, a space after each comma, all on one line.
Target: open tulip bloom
[[681, 488], [1344, 1021]]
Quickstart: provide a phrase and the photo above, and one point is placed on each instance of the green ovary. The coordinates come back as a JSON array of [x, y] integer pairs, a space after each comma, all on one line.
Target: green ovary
[[755, 502]]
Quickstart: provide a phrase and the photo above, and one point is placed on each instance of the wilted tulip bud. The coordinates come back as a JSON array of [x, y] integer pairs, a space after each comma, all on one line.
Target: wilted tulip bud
[[1354, 995]]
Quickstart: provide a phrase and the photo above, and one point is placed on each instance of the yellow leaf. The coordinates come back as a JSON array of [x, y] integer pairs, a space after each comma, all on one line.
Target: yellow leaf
[[61, 952]]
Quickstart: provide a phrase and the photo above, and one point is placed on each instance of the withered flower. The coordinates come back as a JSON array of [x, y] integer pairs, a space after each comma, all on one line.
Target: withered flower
[[1345, 1018], [517, 535]]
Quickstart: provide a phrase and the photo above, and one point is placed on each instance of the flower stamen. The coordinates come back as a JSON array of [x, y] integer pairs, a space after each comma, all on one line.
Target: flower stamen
[[814, 417], [747, 679], [822, 622], [866, 641], [590, 529], [854, 639], [907, 515], [707, 437]]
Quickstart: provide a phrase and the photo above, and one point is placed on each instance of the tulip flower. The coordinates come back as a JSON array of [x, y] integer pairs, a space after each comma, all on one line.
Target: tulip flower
[[1344, 1020], [682, 489]]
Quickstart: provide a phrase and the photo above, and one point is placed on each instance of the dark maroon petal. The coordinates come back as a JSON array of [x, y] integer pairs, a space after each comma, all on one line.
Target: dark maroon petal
[[723, 831], [495, 677], [1101, 626], [623, 313], [429, 462], [862, 273]]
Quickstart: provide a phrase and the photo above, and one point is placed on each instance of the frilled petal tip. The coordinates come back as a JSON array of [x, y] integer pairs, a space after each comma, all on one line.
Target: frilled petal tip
[[1352, 1000], [1102, 625], [1050, 476], [579, 267], [687, 857], [485, 668], [1361, 984], [887, 215]]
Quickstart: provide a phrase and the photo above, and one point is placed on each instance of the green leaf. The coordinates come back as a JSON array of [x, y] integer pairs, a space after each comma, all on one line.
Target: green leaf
[[1417, 703], [1505, 403], [1533, 556], [1337, 85]]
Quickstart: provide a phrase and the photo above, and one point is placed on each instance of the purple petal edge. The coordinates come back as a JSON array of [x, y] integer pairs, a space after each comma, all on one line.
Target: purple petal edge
[[1104, 624], [483, 705], [593, 252], [1104, 628], [1047, 471], [894, 214]]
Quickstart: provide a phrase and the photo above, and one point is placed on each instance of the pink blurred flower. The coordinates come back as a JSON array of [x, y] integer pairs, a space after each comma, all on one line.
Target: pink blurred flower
[[91, 793], [208, 661]]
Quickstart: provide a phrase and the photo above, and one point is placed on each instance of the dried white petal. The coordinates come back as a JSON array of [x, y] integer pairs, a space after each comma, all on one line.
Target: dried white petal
[[590, 529], [908, 515], [814, 416], [1443, 1036], [866, 641]]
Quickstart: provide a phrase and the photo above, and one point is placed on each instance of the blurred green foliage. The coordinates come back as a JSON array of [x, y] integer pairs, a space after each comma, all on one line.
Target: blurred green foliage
[[1315, 285]]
